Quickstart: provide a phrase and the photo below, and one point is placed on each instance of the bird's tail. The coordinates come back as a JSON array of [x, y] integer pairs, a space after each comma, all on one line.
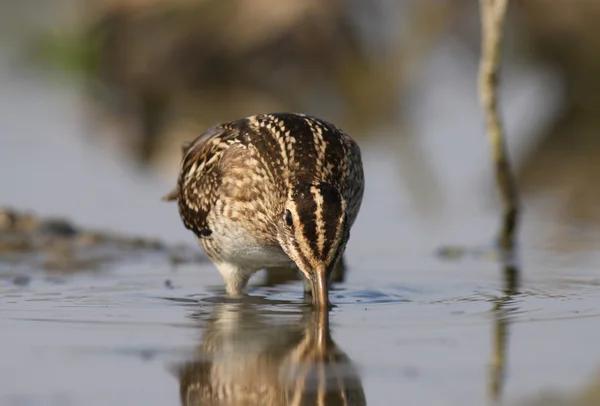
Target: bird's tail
[[171, 196]]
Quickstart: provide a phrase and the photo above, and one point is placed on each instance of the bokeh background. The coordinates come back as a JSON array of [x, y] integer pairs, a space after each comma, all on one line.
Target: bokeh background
[[96, 97]]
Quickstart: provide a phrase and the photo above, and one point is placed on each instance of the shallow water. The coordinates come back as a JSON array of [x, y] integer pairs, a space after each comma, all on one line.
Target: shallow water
[[424, 336]]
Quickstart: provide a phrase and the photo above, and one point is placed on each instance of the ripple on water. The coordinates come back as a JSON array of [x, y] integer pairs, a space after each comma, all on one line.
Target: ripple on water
[[367, 296], [289, 295]]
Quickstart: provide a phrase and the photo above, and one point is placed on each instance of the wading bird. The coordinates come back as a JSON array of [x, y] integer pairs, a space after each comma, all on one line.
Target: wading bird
[[272, 191]]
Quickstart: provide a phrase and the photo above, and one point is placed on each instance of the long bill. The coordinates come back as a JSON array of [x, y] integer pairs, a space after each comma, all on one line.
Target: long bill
[[320, 294]]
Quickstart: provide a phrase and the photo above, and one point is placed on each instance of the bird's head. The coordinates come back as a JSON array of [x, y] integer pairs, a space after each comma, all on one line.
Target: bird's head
[[313, 231]]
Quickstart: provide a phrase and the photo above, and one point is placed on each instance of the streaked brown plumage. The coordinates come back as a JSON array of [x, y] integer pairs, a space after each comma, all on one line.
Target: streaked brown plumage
[[271, 191]]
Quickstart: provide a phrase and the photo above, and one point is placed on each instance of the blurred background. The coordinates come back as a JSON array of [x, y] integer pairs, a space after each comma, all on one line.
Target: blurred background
[[97, 96]]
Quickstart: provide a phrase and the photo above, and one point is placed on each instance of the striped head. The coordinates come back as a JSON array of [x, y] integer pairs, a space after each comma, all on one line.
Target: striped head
[[313, 232]]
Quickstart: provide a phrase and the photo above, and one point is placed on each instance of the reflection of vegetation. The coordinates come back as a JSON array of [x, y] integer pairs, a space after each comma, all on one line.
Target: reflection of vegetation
[[249, 357], [589, 395], [501, 312]]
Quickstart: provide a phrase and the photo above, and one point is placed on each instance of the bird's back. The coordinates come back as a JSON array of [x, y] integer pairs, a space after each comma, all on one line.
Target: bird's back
[[311, 149], [270, 152]]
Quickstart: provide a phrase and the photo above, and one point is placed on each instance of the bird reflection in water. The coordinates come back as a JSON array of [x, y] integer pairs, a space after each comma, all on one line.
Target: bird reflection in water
[[249, 356]]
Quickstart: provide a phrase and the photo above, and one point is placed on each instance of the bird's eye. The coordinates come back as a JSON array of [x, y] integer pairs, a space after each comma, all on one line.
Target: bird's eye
[[288, 218], [205, 232]]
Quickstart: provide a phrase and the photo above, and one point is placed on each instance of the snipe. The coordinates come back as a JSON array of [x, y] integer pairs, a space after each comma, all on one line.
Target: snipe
[[272, 191]]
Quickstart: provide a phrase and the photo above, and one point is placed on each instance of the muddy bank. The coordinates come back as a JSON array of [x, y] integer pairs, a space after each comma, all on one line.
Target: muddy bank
[[29, 242]]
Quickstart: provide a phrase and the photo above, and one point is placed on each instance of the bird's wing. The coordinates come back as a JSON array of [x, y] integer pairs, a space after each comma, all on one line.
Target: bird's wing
[[200, 175], [354, 179]]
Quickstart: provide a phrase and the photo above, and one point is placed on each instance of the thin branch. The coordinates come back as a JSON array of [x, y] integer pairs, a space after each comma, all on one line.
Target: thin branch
[[492, 20]]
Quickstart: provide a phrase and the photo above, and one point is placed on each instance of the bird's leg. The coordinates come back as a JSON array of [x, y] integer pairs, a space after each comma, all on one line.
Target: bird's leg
[[235, 278], [280, 275], [307, 287], [338, 275]]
